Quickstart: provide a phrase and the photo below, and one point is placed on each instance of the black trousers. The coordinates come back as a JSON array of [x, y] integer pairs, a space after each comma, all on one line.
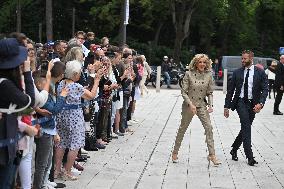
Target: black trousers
[[271, 87], [102, 128], [247, 115], [278, 99]]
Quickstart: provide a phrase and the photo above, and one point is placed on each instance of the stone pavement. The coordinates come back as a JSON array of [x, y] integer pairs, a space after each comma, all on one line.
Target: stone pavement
[[143, 159]]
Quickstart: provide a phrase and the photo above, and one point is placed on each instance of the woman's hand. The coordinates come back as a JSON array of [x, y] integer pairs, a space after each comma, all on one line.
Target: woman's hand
[[192, 108], [64, 92], [114, 86], [27, 65], [43, 112], [48, 73], [56, 139]]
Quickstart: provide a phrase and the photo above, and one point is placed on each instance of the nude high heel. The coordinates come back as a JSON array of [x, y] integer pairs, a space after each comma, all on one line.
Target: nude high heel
[[214, 160], [174, 158]]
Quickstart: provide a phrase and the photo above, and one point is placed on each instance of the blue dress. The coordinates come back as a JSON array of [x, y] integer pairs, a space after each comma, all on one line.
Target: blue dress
[[70, 123]]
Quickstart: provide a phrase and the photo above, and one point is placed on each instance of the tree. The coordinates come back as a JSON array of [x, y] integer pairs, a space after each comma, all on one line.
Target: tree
[[182, 11], [49, 26]]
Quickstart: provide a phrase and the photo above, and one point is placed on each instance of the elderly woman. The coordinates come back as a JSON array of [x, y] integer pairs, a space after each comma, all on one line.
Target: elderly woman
[[197, 85], [70, 122]]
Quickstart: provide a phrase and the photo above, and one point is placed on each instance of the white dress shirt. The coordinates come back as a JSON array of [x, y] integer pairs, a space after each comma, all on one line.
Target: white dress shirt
[[250, 82]]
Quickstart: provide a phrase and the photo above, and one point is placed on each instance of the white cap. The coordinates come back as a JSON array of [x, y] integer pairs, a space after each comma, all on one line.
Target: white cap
[[165, 57]]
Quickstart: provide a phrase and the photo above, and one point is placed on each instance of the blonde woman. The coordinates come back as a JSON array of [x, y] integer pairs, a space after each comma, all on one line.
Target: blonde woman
[[75, 53], [146, 74], [197, 85]]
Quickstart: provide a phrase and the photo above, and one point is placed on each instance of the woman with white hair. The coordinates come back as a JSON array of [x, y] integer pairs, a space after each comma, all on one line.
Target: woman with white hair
[[70, 122]]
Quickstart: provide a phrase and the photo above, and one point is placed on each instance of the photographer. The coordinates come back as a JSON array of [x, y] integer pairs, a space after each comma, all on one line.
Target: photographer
[[12, 56]]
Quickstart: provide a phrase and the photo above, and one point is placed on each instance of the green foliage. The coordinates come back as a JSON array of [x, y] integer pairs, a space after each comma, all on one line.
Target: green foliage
[[218, 27]]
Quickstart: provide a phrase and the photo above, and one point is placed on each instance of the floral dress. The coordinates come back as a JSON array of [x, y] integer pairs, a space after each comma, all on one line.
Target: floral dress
[[70, 123]]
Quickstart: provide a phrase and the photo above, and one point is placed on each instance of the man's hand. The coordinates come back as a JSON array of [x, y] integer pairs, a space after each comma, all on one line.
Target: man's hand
[[210, 109], [281, 88], [226, 112], [257, 108]]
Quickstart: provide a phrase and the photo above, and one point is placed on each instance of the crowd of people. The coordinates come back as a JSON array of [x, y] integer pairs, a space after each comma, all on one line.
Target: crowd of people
[[49, 94]]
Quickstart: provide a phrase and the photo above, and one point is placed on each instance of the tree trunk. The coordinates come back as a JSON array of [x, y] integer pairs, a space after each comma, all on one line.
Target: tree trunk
[[19, 16], [49, 26], [177, 47], [181, 14], [157, 34]]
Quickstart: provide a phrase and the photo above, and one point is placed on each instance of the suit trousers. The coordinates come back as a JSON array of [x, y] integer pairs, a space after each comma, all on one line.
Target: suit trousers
[[187, 116], [247, 115], [278, 99]]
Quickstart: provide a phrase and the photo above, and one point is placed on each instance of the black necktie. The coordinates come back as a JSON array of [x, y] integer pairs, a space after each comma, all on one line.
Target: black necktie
[[246, 86]]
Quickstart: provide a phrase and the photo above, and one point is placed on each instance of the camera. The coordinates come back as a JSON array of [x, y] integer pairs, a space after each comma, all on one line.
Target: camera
[[44, 65]]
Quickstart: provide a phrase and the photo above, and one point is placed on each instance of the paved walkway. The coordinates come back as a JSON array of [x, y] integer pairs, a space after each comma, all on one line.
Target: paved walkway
[[143, 159]]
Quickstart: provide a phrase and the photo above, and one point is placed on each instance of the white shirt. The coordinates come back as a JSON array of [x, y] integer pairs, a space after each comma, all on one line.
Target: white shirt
[[250, 82], [270, 74]]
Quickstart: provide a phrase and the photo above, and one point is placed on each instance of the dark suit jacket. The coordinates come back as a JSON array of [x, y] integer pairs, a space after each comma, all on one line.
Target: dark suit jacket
[[259, 90], [279, 76]]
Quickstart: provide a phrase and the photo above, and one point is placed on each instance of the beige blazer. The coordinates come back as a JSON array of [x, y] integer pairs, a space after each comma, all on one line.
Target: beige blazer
[[196, 87]]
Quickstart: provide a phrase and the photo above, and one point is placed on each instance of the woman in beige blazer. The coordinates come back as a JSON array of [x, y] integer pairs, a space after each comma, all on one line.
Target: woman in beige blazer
[[197, 85]]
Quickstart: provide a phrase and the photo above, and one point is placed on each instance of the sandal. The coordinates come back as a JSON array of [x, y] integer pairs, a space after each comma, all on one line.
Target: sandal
[[129, 130], [70, 177], [58, 175]]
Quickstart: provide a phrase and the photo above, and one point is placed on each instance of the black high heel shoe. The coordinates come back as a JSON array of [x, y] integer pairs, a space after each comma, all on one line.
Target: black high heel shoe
[[234, 155]]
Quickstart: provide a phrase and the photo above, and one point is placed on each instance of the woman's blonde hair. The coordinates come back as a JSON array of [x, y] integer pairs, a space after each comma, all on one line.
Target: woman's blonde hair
[[195, 60], [73, 54]]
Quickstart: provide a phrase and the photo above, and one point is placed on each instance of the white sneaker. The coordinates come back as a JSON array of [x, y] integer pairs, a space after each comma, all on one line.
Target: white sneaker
[[48, 187], [53, 184], [129, 123], [83, 151], [75, 171], [114, 135], [135, 120]]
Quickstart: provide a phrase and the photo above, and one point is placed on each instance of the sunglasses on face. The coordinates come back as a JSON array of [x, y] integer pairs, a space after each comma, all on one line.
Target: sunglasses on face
[[31, 49]]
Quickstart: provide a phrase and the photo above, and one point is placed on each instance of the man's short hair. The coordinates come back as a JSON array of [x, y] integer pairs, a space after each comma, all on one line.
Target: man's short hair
[[89, 34], [248, 52], [80, 33]]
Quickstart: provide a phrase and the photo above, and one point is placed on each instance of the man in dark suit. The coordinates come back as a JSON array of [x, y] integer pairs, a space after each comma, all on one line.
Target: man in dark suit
[[247, 93], [279, 85]]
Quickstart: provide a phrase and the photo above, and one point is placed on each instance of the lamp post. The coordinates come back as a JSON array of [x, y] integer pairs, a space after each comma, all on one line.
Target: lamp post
[[125, 21]]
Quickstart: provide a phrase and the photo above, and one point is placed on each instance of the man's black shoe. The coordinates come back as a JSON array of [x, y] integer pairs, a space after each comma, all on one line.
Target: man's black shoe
[[277, 113], [93, 148], [234, 155], [252, 162], [169, 87], [60, 185]]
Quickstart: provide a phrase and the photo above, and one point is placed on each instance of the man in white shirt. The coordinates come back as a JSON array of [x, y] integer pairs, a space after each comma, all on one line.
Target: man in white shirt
[[247, 93]]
